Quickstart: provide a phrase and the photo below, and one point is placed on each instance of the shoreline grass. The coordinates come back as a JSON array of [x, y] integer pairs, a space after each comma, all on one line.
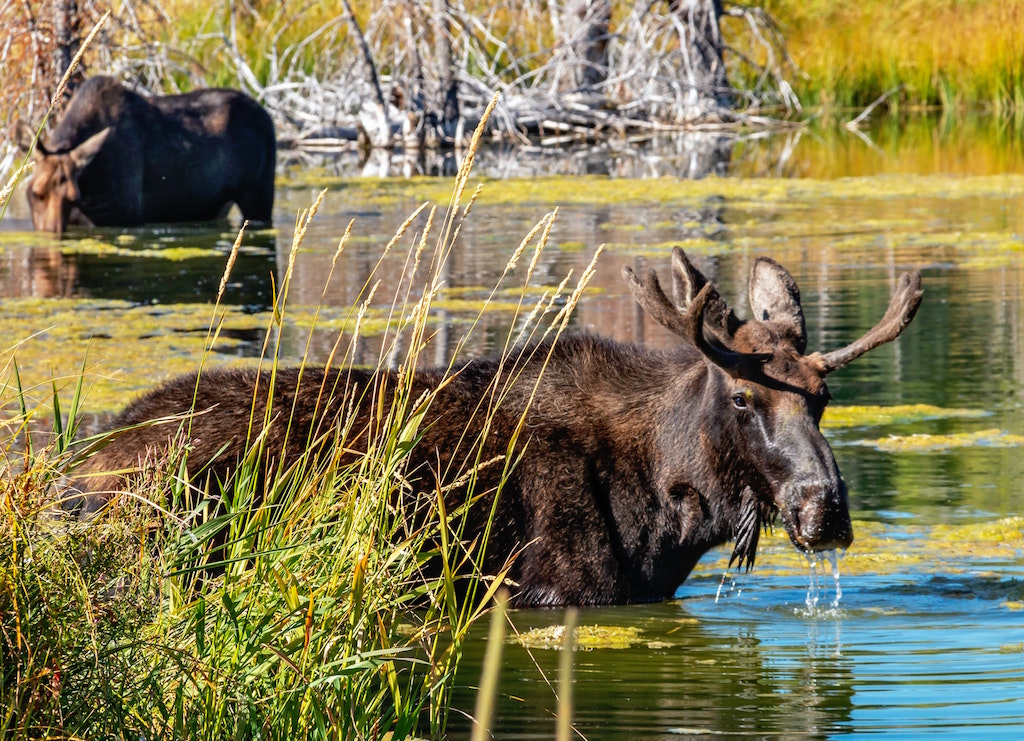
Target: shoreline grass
[[943, 54], [298, 608]]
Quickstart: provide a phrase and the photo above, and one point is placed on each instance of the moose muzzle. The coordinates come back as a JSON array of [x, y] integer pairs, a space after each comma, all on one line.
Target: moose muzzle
[[817, 516]]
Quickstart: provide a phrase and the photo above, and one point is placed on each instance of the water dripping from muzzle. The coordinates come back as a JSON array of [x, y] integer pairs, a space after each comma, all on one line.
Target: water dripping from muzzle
[[729, 590], [731, 585], [817, 587]]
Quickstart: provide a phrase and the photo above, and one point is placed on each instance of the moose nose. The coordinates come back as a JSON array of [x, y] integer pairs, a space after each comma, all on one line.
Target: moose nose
[[819, 518]]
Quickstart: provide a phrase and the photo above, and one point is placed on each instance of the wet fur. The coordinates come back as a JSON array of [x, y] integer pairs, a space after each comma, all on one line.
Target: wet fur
[[606, 515]]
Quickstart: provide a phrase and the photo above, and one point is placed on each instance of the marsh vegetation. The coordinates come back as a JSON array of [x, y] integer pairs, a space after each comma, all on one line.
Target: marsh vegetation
[[110, 628]]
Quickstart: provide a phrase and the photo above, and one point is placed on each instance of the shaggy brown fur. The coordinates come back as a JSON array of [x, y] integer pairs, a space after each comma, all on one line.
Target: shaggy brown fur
[[632, 463]]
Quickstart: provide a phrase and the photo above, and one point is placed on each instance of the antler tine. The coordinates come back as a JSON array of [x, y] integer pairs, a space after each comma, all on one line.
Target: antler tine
[[689, 324], [904, 304], [727, 360], [652, 299], [686, 279]]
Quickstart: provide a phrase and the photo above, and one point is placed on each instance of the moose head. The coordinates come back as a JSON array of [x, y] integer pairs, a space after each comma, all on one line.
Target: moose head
[[53, 192], [763, 398]]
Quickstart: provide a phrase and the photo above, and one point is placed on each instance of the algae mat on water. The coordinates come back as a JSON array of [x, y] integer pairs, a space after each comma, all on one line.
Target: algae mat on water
[[122, 348], [838, 416], [885, 549], [598, 190], [924, 442]]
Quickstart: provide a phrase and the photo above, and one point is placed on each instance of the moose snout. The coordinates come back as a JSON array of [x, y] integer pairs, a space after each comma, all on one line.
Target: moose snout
[[817, 517]]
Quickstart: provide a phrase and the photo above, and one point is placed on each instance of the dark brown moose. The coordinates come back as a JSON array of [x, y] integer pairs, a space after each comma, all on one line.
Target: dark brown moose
[[120, 159], [630, 464]]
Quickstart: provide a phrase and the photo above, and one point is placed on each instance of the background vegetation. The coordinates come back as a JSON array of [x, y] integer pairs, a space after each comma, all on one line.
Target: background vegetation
[[948, 54], [302, 58]]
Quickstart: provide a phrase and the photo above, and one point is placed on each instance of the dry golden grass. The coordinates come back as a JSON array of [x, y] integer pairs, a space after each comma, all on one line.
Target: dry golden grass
[[946, 53]]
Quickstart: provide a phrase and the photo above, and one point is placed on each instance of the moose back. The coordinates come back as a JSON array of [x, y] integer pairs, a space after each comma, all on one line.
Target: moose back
[[120, 159], [631, 463]]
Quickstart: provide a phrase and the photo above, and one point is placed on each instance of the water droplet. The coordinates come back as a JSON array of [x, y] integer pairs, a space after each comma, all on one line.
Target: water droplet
[[816, 586], [734, 588]]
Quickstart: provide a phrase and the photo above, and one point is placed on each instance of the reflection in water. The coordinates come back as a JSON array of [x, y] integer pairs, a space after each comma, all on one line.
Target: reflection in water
[[137, 274], [904, 654], [684, 155], [42, 272], [692, 674], [924, 145]]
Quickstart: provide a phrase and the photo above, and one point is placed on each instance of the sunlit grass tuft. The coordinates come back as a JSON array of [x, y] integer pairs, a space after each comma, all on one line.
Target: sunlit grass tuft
[[947, 54], [298, 607]]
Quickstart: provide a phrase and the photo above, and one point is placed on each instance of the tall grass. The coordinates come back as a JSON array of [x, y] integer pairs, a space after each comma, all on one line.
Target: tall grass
[[298, 607], [946, 54]]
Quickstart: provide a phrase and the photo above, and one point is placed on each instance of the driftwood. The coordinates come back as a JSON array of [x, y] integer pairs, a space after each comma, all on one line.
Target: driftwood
[[418, 73]]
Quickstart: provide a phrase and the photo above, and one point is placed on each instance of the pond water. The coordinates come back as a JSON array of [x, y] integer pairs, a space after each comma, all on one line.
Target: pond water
[[928, 637]]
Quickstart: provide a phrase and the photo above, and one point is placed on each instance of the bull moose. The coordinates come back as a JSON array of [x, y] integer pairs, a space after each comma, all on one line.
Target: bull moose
[[631, 463], [120, 159]]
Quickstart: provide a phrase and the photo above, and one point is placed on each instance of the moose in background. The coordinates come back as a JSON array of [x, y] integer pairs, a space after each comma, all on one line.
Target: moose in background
[[120, 159], [630, 465]]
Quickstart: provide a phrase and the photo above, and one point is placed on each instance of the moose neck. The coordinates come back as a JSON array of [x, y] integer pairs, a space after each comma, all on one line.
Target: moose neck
[[643, 411]]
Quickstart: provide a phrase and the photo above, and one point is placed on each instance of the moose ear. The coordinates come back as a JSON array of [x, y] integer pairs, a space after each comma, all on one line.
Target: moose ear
[[775, 298], [83, 154]]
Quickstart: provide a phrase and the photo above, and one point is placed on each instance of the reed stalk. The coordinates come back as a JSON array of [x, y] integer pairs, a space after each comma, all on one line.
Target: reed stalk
[[297, 608]]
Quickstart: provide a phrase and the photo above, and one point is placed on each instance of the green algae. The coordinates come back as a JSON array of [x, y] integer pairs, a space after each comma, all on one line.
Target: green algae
[[885, 549], [586, 637], [624, 227], [870, 416], [27, 239], [469, 306], [597, 189], [924, 442], [92, 246], [51, 338], [867, 217]]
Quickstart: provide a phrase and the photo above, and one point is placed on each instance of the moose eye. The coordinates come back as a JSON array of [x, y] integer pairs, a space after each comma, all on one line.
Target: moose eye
[[739, 401]]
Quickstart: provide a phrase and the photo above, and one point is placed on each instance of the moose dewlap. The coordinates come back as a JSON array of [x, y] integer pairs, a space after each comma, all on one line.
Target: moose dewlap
[[629, 464]]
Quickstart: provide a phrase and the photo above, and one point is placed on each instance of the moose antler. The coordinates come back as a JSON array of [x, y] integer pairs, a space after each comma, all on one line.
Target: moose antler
[[689, 324], [904, 304], [654, 302], [687, 281]]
